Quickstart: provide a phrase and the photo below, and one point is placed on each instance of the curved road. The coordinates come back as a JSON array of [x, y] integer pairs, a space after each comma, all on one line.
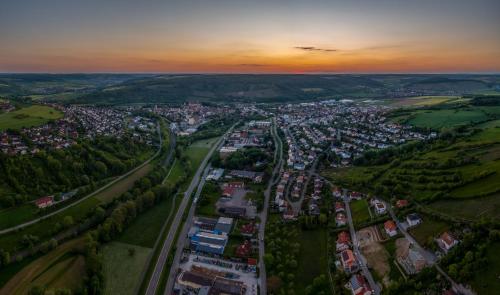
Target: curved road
[[22, 225]]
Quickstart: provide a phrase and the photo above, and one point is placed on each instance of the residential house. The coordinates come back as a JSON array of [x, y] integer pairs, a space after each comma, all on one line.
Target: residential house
[[411, 260], [390, 228], [380, 207], [359, 285], [340, 219], [413, 219], [339, 207], [446, 241], [45, 202], [401, 203], [343, 241], [348, 261]]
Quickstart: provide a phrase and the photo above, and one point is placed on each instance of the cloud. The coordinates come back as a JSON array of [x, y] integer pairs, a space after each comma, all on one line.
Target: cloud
[[253, 65], [314, 48]]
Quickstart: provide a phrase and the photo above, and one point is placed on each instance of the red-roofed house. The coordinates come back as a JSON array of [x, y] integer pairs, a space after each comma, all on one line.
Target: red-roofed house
[[339, 207], [244, 249], [45, 202], [348, 261], [235, 184], [228, 192], [343, 241], [446, 241], [401, 203], [390, 228]]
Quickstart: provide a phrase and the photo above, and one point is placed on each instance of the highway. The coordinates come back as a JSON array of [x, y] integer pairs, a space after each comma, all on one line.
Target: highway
[[183, 234], [362, 261], [263, 215], [28, 223], [167, 244]]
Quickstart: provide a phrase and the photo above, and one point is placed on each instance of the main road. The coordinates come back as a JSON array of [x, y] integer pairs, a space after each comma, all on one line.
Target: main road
[[167, 244], [263, 215], [25, 224]]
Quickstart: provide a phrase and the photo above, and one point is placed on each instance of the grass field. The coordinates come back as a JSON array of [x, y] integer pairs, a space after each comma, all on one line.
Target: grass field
[[122, 271], [16, 215], [446, 118], [146, 227], [470, 209], [429, 228], [359, 211], [312, 260], [41, 229], [120, 187], [28, 117], [423, 100], [486, 281], [60, 268]]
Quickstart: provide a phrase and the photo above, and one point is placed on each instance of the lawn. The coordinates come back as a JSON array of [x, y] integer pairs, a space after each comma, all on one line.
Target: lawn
[[437, 119], [208, 198], [34, 115], [486, 281], [312, 260], [60, 268], [145, 229], [122, 271], [120, 187], [359, 211], [427, 230], [16, 215]]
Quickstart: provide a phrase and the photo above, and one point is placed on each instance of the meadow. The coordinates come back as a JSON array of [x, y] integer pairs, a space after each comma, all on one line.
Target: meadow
[[486, 280], [34, 115], [360, 211], [62, 267], [119, 263], [427, 230]]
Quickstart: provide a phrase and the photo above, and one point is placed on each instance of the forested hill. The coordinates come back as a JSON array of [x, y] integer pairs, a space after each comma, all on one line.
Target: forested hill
[[148, 88]]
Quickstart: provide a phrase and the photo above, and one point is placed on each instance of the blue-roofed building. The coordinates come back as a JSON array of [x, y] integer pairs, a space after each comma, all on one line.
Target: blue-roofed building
[[209, 242]]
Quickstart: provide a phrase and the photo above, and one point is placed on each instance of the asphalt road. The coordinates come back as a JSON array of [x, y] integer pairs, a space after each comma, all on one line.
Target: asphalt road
[[182, 236], [167, 245], [22, 225], [263, 215], [362, 261]]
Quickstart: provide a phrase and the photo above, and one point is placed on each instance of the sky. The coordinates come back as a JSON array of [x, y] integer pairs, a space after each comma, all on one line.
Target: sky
[[251, 36]]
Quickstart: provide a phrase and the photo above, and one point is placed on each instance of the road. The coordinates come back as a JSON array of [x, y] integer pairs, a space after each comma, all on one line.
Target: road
[[22, 225], [263, 215], [362, 261], [167, 244], [183, 234]]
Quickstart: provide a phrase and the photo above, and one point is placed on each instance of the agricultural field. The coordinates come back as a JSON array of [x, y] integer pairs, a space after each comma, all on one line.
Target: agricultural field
[[34, 115], [62, 267], [446, 118], [312, 259], [423, 101], [123, 261], [120, 187], [427, 230], [360, 211], [470, 209]]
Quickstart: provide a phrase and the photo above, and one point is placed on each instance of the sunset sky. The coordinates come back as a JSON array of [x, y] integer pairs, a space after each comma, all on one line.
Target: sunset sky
[[252, 36]]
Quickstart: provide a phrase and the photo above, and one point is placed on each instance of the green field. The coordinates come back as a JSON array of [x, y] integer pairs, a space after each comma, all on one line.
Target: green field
[[60, 268], [34, 115], [145, 228], [470, 209], [120, 187], [427, 230], [359, 211], [486, 281], [16, 215], [123, 271], [437, 119], [312, 260]]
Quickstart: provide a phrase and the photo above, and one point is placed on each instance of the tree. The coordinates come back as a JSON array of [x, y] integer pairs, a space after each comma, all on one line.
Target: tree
[[68, 221]]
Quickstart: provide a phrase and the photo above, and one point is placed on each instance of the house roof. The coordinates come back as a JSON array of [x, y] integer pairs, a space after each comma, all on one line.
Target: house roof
[[389, 225], [447, 238]]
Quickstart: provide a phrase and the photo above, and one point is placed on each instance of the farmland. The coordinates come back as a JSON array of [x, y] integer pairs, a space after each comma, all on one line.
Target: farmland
[[62, 267], [123, 261], [28, 117]]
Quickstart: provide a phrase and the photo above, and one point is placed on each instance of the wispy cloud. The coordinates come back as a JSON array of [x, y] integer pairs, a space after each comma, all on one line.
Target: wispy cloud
[[314, 48], [253, 65]]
